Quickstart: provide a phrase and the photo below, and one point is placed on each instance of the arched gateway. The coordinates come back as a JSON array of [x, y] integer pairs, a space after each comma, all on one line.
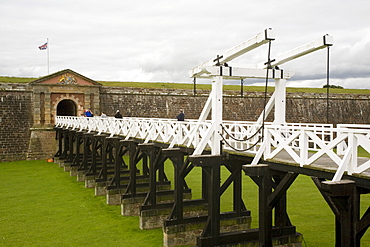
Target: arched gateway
[[64, 93], [66, 107]]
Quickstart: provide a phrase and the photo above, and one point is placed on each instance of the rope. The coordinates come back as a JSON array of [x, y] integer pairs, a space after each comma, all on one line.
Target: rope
[[241, 150], [262, 127], [245, 138]]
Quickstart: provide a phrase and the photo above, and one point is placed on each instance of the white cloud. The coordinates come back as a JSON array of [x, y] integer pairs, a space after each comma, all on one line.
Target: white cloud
[[161, 40]]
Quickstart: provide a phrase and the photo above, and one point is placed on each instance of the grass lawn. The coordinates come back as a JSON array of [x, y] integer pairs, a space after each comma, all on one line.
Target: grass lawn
[[41, 205]]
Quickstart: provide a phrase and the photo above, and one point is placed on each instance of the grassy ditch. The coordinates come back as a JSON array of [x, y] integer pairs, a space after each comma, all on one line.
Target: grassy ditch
[[41, 205]]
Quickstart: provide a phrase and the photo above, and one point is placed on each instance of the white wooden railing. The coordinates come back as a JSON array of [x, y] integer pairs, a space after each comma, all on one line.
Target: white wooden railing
[[303, 143], [187, 133]]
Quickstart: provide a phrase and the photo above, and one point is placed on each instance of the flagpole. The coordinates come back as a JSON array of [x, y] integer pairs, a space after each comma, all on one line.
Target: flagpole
[[48, 48]]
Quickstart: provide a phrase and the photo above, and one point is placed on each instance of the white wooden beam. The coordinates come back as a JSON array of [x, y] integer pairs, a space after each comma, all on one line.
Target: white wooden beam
[[260, 39], [300, 51]]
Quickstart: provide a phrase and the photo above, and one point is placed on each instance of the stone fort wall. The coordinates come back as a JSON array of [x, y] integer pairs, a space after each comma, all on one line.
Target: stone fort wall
[[16, 119], [301, 107], [16, 108]]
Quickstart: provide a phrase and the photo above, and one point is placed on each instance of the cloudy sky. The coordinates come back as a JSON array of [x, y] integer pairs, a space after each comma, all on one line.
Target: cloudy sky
[[146, 40]]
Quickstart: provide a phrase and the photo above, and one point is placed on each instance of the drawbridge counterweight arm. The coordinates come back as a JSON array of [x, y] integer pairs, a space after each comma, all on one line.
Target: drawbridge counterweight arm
[[300, 51], [260, 39]]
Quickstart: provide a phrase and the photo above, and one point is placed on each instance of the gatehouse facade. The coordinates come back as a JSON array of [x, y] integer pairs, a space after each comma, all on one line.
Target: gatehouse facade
[[65, 93]]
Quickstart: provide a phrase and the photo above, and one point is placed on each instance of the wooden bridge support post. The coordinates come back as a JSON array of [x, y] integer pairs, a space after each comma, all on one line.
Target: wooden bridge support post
[[145, 165], [117, 157], [87, 154], [272, 195], [205, 188], [343, 197], [86, 157], [107, 158], [156, 163], [281, 214], [102, 177], [234, 166], [211, 164], [77, 153], [65, 144], [59, 138], [93, 167], [71, 141], [65, 141], [101, 182], [97, 153], [114, 182], [69, 145], [238, 205], [177, 158], [133, 150], [264, 209]]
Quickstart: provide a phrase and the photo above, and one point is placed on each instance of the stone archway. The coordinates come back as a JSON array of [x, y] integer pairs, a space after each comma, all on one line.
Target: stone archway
[[66, 107]]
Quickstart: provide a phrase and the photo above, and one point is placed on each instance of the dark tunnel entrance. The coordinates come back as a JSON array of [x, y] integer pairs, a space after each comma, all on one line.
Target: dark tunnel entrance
[[66, 108]]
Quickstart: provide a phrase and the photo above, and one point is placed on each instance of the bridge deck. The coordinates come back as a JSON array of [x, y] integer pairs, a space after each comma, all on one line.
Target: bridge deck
[[322, 167], [324, 163], [318, 146]]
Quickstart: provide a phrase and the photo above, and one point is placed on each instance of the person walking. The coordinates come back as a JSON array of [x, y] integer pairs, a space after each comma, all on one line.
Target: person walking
[[88, 113], [181, 116], [118, 114]]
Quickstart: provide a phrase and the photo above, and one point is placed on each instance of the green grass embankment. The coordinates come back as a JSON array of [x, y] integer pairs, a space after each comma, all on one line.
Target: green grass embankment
[[41, 205]]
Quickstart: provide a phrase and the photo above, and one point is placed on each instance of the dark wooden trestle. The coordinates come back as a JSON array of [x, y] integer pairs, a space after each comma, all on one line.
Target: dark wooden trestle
[[273, 186], [98, 159], [343, 197], [213, 190]]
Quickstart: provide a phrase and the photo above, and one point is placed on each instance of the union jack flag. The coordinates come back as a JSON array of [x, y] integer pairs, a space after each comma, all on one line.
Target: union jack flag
[[44, 46]]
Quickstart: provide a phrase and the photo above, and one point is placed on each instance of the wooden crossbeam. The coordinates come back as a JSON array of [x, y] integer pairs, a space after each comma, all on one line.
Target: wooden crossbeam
[[237, 73]]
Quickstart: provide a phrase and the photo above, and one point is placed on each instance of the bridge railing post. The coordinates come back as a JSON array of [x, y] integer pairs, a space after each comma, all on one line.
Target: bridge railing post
[[352, 139], [303, 144], [268, 142]]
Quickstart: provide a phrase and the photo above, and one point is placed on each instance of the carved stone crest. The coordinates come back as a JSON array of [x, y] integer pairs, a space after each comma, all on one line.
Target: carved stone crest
[[67, 79]]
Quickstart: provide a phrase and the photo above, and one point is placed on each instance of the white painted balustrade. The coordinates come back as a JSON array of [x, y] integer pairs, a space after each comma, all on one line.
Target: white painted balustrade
[[303, 143]]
